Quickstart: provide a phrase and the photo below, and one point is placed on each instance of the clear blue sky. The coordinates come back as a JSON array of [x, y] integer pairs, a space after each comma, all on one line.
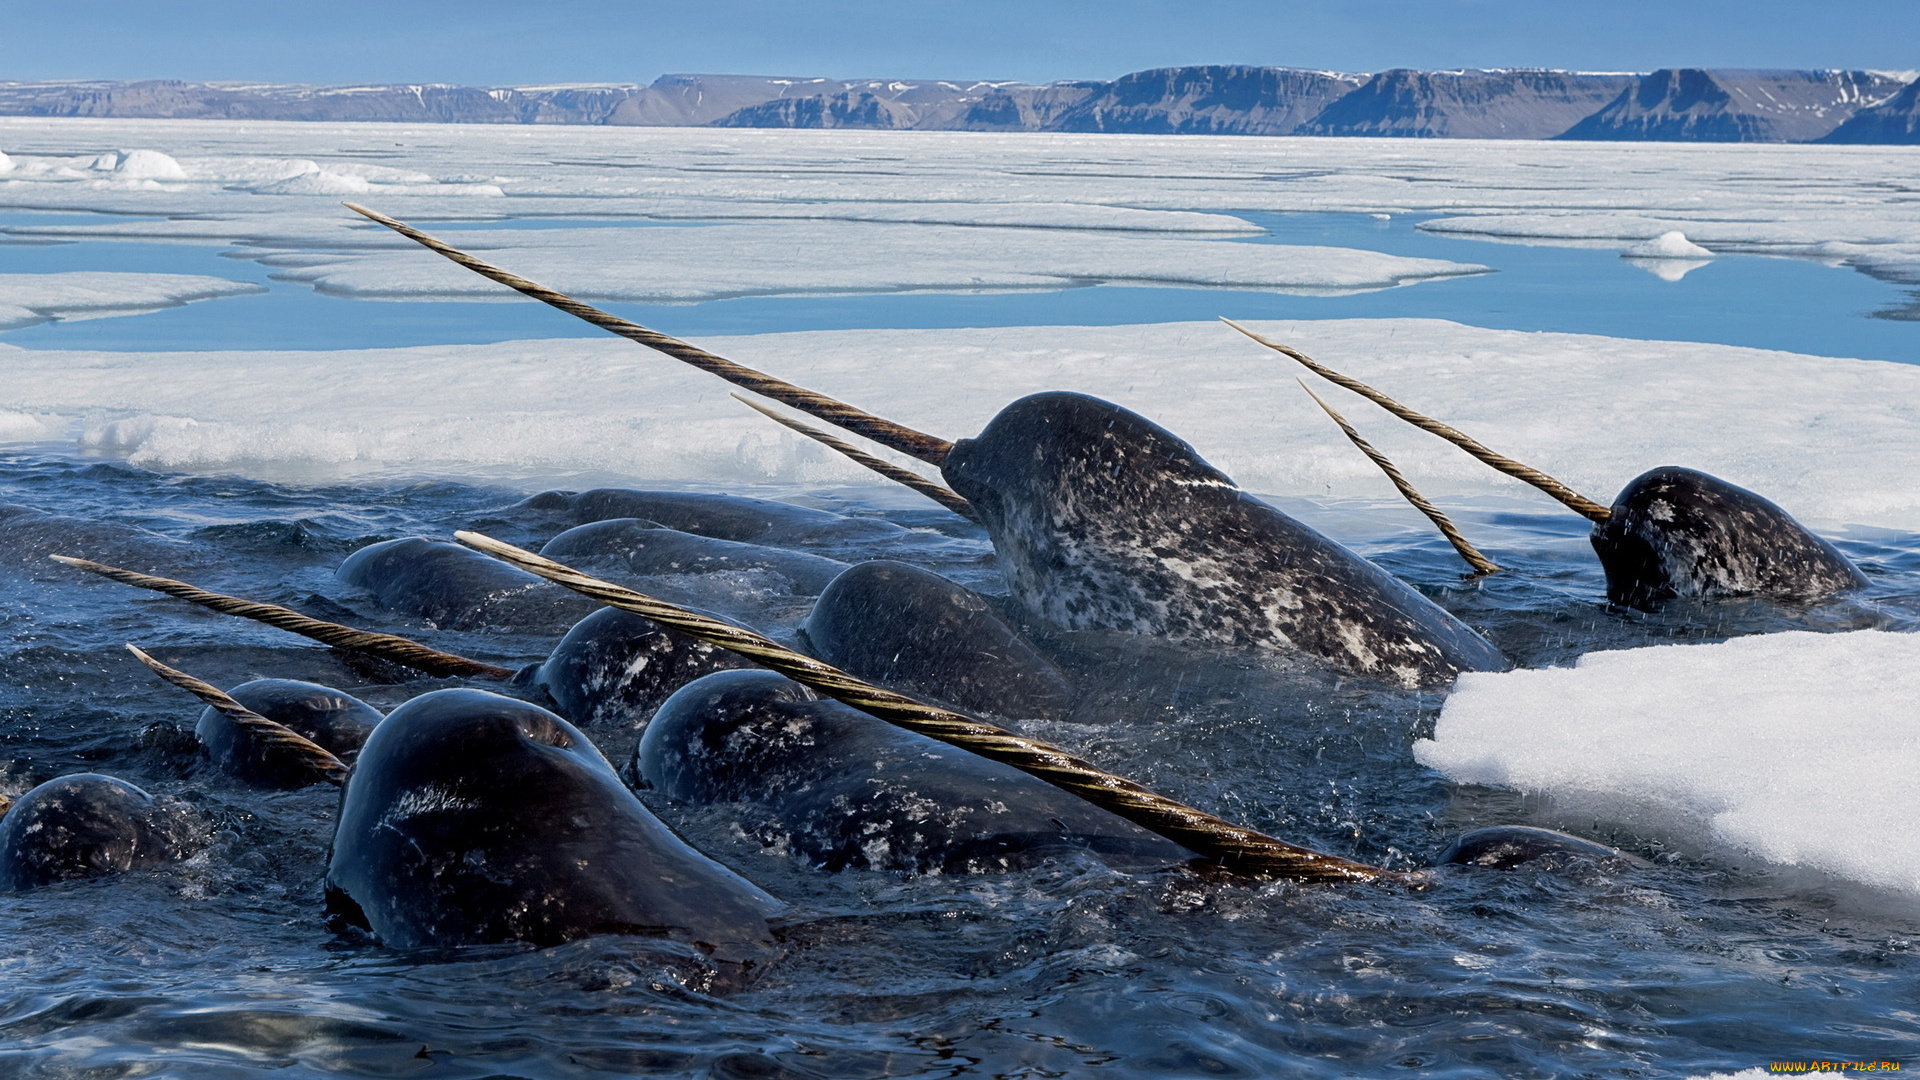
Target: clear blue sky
[[494, 42]]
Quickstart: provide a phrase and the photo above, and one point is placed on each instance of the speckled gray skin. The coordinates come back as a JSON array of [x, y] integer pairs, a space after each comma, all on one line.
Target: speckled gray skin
[[914, 631], [1103, 520], [82, 826], [475, 818], [636, 546], [1677, 533], [842, 789], [723, 517], [614, 668], [340, 722], [457, 588], [1503, 847]]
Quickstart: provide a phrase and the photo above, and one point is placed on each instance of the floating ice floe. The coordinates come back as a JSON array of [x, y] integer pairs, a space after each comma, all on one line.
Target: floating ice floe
[[1669, 256], [786, 258], [1802, 749], [26, 299], [1835, 442], [1672, 244]]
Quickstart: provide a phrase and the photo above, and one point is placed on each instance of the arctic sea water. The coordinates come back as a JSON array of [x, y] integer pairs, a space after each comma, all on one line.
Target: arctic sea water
[[1767, 302], [1704, 959]]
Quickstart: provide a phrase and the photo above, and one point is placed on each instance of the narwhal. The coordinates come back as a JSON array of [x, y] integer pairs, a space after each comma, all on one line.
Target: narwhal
[[1671, 533], [1103, 520]]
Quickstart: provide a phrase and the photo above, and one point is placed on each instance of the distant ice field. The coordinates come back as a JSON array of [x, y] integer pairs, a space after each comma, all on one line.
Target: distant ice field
[[840, 230]]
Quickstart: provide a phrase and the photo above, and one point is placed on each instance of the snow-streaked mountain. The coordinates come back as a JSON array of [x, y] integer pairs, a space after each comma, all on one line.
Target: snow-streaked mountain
[[1682, 104], [1211, 99], [1518, 104], [1698, 105], [1895, 120]]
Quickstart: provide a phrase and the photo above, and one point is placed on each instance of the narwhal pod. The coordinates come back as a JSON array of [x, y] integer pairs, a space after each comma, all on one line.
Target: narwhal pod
[[474, 818], [722, 517], [637, 546], [82, 826], [1677, 533], [842, 789], [337, 721], [914, 631], [615, 667], [1103, 520], [457, 588]]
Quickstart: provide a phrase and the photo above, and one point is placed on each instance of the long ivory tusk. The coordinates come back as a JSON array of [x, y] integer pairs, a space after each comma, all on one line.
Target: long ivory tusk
[[928, 448], [1480, 563], [1240, 849], [1573, 500], [944, 496], [386, 646], [279, 736]]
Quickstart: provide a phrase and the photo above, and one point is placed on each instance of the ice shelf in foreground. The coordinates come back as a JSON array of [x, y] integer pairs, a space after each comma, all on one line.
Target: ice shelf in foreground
[[1802, 749], [1836, 442], [26, 299]]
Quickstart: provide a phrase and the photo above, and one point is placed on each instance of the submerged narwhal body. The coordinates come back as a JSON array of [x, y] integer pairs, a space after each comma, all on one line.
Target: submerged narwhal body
[[1103, 520]]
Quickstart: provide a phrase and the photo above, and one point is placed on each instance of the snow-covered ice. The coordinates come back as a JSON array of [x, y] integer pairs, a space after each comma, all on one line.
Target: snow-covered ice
[[1847, 205], [1802, 749], [1833, 441], [26, 299], [140, 165], [692, 264]]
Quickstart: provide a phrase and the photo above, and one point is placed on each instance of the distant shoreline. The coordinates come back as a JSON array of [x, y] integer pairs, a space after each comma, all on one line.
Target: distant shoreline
[[1669, 105]]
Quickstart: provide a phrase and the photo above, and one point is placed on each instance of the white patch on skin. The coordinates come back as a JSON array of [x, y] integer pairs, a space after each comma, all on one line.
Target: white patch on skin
[[430, 799]]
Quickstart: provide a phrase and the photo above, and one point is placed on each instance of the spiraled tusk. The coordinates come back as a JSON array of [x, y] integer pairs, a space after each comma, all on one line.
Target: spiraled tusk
[[928, 448], [386, 646], [1480, 563], [1572, 499], [279, 736], [946, 497], [1239, 849]]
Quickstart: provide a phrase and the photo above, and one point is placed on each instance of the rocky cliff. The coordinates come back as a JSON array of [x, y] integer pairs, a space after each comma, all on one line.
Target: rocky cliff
[[1697, 105], [1468, 104], [1895, 120], [1680, 104], [1208, 100]]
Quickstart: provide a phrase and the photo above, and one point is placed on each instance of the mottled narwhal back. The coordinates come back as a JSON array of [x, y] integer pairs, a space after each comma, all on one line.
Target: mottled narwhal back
[[1103, 520], [842, 789], [86, 825], [1676, 532]]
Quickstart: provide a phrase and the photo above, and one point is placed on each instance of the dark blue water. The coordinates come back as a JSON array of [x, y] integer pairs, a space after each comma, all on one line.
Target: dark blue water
[[223, 967], [1765, 302]]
